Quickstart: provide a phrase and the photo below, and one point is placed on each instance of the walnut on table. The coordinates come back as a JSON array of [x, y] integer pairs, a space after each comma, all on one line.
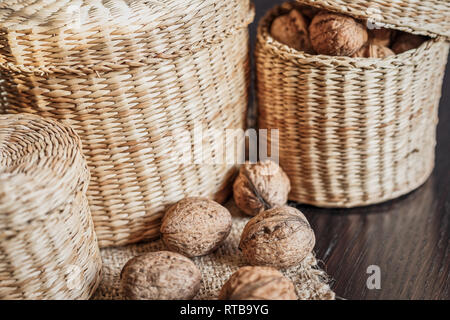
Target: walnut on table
[[258, 283], [260, 186], [162, 275], [280, 237], [195, 226]]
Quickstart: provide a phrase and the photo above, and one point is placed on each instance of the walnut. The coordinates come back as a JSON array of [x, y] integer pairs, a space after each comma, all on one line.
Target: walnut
[[258, 283], [162, 275], [308, 11], [260, 186], [292, 29], [374, 51], [195, 226], [381, 37], [337, 35], [406, 42], [279, 237]]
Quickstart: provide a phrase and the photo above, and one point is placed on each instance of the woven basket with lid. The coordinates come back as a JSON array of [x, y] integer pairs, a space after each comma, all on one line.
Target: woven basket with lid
[[48, 247], [135, 79], [354, 131]]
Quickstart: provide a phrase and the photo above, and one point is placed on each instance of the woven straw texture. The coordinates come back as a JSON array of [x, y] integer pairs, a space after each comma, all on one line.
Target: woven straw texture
[[352, 131], [310, 281], [135, 79], [425, 17], [48, 247]]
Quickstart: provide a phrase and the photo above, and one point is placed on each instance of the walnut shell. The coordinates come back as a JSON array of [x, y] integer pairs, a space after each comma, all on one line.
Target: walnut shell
[[406, 42], [374, 51], [260, 186], [337, 35], [292, 29], [381, 37], [279, 237], [162, 275], [195, 226], [258, 283], [308, 11]]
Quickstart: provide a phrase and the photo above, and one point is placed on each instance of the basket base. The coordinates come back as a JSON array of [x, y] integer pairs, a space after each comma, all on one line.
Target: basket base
[[391, 196]]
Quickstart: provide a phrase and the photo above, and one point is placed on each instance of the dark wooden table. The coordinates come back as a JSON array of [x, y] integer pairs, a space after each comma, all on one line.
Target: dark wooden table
[[408, 238]]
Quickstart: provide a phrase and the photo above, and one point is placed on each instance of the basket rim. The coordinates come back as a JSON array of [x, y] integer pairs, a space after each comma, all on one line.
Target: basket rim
[[93, 13], [373, 10], [141, 61], [268, 43]]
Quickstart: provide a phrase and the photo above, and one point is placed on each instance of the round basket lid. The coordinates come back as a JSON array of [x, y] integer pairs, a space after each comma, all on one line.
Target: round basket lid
[[26, 14], [87, 34], [426, 17], [41, 167]]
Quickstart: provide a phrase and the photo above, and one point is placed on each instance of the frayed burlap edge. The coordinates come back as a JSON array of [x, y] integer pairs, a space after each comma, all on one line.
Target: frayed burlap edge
[[311, 282]]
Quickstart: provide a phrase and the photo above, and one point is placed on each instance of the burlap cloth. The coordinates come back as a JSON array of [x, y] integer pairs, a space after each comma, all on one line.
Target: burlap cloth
[[310, 281]]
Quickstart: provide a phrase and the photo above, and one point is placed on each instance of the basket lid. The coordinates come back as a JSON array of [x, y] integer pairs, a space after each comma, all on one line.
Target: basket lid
[[423, 17], [16, 15], [77, 34], [41, 168]]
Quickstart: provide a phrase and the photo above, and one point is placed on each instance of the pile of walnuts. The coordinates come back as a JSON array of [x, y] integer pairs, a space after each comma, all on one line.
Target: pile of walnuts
[[277, 236], [321, 32]]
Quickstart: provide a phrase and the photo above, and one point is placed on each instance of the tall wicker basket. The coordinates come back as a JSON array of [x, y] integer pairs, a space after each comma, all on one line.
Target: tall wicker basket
[[48, 247], [135, 79], [355, 131]]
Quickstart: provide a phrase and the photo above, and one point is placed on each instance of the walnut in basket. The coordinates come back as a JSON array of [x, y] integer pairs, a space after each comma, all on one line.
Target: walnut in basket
[[406, 42], [336, 34], [280, 237], [382, 36], [162, 275], [308, 11], [260, 186], [374, 51], [258, 283], [292, 29], [195, 226]]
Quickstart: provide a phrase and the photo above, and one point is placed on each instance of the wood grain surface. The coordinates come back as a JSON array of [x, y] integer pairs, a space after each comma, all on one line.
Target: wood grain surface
[[407, 238]]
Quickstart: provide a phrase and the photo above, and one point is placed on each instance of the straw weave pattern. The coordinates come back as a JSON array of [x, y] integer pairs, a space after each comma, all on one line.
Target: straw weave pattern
[[48, 247], [353, 131], [126, 87]]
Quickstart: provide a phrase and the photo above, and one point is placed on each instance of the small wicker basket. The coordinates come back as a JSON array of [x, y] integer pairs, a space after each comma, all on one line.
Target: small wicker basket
[[127, 75], [48, 247], [353, 131]]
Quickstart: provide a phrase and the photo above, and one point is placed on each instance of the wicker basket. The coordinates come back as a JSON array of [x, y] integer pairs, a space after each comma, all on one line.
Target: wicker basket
[[352, 131], [128, 78], [48, 247]]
